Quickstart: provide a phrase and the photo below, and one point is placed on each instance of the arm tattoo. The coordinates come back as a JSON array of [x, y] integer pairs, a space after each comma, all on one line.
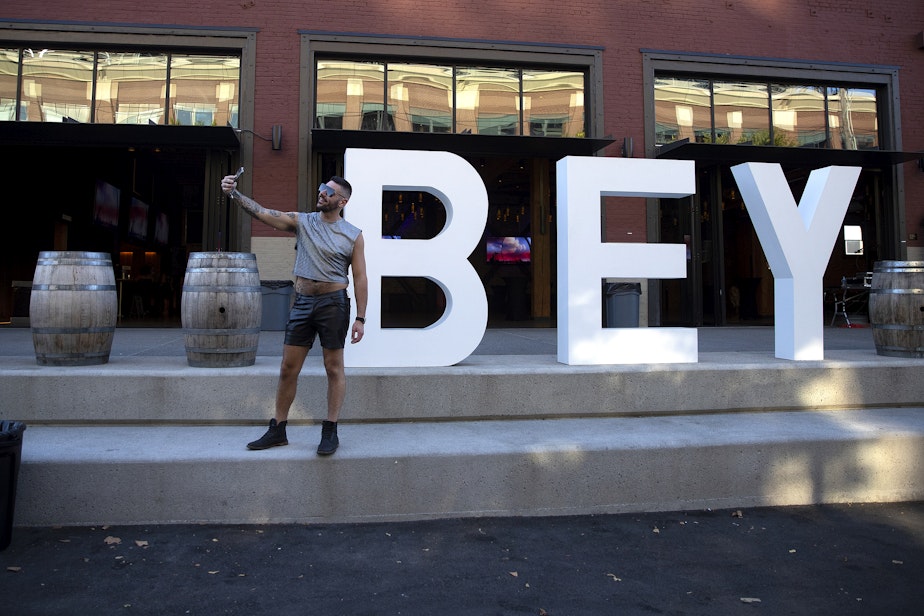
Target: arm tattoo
[[253, 208]]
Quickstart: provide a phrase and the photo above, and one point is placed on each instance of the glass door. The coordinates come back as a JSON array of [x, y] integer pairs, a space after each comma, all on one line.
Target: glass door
[[711, 241], [748, 281], [698, 299], [680, 296]]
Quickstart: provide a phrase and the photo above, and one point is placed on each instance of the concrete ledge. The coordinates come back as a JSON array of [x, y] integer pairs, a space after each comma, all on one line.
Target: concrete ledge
[[165, 390], [140, 475]]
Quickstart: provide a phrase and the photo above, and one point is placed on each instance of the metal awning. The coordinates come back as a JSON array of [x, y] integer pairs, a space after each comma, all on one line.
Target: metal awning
[[333, 140], [803, 157], [62, 134]]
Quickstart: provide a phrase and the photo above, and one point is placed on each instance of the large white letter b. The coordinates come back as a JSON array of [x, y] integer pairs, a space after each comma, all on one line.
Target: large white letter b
[[443, 259]]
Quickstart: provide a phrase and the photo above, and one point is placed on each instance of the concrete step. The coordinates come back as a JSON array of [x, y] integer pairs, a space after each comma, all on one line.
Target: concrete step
[[92, 475], [165, 390], [149, 439]]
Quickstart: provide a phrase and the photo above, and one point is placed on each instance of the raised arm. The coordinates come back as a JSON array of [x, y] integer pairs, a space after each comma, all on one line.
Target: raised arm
[[284, 221]]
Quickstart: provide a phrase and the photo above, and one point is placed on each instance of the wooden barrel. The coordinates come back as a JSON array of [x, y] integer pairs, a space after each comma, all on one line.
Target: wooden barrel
[[73, 308], [896, 308], [221, 309]]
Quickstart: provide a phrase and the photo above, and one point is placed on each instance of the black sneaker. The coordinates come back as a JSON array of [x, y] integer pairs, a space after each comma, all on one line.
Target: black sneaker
[[329, 440], [274, 437]]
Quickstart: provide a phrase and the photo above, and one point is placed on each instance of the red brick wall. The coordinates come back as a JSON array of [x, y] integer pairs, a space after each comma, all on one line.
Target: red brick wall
[[883, 32]]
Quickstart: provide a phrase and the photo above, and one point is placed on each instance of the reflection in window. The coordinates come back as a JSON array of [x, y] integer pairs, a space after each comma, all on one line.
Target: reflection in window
[[421, 96], [330, 115], [375, 117], [203, 89], [350, 94], [130, 88], [853, 119], [798, 116], [193, 114], [9, 78], [119, 87], [487, 101], [365, 94], [57, 84], [742, 113], [682, 109], [437, 98], [553, 103], [801, 115]]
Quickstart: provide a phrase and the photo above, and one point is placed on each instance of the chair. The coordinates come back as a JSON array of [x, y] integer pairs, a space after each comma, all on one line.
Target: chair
[[853, 290]]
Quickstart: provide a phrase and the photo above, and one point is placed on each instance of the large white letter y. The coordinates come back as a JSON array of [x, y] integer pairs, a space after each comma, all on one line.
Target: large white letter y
[[797, 242]]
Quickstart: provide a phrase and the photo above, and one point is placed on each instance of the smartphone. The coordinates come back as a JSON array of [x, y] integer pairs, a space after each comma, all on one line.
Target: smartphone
[[239, 173]]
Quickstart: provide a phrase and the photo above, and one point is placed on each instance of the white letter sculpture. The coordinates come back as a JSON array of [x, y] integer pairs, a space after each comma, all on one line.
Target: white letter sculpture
[[443, 259], [584, 261], [797, 242]]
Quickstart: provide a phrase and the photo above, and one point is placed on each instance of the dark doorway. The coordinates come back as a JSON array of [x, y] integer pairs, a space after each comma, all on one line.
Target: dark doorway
[[145, 206], [729, 281]]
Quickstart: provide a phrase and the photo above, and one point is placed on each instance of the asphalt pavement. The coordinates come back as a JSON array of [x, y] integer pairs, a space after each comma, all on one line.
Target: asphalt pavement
[[834, 559]]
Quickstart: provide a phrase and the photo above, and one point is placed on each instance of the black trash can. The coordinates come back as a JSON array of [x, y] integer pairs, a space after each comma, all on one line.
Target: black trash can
[[10, 456], [277, 300], [620, 302]]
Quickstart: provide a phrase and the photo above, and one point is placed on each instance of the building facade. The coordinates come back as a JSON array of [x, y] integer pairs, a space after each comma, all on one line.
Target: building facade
[[117, 122]]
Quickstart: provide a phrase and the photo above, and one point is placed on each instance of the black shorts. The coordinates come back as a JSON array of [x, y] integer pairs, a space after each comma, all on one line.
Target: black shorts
[[326, 316]]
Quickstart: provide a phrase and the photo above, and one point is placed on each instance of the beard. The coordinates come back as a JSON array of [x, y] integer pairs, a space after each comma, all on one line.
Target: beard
[[325, 206]]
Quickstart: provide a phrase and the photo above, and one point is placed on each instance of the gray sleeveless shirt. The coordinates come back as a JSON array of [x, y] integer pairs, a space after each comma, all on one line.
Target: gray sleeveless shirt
[[324, 250]]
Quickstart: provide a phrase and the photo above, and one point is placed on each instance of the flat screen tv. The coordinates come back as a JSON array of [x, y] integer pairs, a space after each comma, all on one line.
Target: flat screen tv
[[106, 205], [508, 249], [138, 219]]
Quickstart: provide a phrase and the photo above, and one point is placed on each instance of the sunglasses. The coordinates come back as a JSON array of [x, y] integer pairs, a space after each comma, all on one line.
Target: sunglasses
[[329, 191]]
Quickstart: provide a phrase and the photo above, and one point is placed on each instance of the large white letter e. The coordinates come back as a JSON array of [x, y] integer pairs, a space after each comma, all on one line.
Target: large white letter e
[[584, 260]]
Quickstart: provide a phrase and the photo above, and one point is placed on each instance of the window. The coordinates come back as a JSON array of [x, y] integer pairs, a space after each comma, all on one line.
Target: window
[[853, 120], [553, 103], [487, 101], [741, 113], [421, 96], [853, 240], [355, 90], [120, 87], [799, 115], [130, 87], [203, 89], [9, 78], [376, 116], [330, 115], [193, 114], [753, 112], [444, 98], [57, 84], [682, 108]]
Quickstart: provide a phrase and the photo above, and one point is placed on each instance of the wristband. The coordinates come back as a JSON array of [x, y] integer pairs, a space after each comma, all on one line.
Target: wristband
[[361, 320]]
